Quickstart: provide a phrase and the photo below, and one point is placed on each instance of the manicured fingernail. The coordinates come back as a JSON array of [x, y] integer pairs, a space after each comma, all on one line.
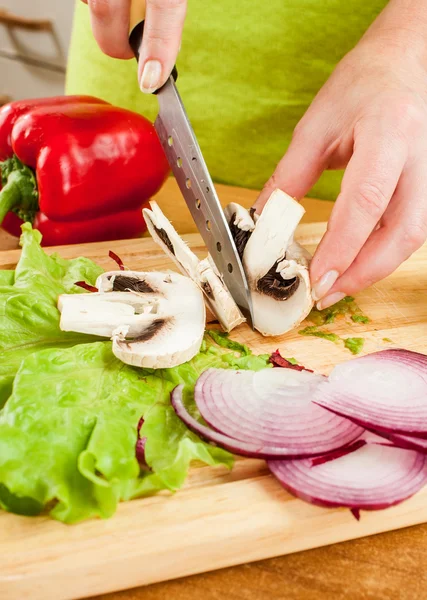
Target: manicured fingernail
[[322, 287], [328, 301], [150, 77]]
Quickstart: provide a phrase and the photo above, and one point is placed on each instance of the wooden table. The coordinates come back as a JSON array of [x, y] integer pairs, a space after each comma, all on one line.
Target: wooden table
[[389, 566]]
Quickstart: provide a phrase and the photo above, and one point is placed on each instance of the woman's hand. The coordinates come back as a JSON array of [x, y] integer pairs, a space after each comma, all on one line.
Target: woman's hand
[[370, 117], [164, 22]]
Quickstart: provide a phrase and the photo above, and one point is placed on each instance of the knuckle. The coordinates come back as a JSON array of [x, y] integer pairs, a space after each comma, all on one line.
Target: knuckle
[[371, 200], [414, 236], [100, 9], [158, 36], [113, 48], [409, 116]]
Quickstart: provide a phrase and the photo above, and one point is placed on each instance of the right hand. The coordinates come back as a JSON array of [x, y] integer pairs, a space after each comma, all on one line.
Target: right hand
[[162, 36]]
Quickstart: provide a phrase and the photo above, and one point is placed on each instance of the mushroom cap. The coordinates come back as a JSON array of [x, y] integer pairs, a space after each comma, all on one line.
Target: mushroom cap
[[158, 328]]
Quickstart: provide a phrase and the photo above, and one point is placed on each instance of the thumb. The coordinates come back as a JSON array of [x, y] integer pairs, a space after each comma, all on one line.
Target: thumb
[[304, 162]]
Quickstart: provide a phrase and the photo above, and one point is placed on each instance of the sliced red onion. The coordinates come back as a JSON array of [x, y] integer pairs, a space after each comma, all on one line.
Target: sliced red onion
[[86, 286], [272, 408], [372, 477], [277, 360], [335, 454], [239, 447], [407, 441], [117, 259], [385, 391]]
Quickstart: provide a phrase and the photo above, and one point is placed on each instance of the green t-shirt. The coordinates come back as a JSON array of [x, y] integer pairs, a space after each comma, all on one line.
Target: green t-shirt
[[248, 70]]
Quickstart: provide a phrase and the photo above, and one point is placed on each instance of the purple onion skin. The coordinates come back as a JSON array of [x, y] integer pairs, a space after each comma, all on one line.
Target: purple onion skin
[[140, 451], [356, 513], [86, 286], [330, 504], [382, 431], [277, 360], [117, 260], [405, 441], [334, 454], [140, 446]]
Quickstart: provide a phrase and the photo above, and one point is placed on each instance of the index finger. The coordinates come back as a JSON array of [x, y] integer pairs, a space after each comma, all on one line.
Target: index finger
[[164, 23], [368, 184]]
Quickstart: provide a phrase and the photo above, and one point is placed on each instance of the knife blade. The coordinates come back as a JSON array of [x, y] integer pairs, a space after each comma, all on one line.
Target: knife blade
[[192, 175]]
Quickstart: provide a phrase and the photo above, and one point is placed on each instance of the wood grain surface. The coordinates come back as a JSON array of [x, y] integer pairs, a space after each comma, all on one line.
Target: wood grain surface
[[221, 519]]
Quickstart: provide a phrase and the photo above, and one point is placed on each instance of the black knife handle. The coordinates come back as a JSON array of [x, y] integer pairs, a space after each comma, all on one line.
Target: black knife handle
[[137, 21]]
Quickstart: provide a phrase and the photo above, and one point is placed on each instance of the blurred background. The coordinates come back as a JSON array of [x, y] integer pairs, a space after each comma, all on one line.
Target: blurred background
[[34, 40]]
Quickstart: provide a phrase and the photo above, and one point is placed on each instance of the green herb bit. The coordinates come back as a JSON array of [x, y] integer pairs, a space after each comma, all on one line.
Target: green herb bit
[[314, 331], [387, 340], [355, 344], [221, 338], [328, 315], [360, 319]]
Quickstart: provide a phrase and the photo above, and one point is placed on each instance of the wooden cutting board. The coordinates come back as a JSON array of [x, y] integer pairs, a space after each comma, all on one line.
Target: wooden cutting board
[[220, 518]]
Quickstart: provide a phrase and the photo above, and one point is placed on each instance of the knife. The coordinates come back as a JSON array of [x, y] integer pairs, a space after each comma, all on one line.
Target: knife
[[191, 173]]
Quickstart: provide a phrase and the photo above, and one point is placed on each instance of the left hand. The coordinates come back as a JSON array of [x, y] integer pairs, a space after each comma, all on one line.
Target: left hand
[[370, 117]]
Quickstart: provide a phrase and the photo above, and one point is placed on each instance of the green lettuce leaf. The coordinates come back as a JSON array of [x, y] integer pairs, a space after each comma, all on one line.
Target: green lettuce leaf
[[28, 314], [69, 429], [7, 278]]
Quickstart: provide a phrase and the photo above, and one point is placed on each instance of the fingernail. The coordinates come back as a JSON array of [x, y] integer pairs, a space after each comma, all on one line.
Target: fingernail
[[150, 77], [322, 287], [328, 301]]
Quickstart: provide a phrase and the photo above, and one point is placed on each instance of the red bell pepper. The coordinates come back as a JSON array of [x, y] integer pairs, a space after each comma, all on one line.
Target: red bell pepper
[[80, 169]]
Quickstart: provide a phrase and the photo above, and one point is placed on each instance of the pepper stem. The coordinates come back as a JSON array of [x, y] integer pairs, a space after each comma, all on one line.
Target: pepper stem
[[19, 193]]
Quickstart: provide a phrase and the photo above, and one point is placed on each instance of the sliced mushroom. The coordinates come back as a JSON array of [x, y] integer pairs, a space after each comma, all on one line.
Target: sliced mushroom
[[241, 225], [156, 321], [100, 314], [203, 273], [276, 266]]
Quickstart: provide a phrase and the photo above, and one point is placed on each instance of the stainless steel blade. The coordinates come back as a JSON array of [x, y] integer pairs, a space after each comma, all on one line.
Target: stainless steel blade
[[187, 163]]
